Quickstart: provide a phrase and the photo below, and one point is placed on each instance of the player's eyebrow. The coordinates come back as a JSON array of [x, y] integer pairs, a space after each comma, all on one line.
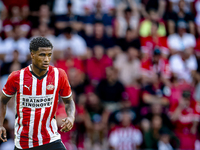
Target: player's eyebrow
[[45, 53]]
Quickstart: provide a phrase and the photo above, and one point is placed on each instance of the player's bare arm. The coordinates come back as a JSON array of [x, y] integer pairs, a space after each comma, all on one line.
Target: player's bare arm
[[3, 102], [70, 110]]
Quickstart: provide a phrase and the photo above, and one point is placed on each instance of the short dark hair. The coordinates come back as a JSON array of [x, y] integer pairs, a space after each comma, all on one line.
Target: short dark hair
[[39, 42]]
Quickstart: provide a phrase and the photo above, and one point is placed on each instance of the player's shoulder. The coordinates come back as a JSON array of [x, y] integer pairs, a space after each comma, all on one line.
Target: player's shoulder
[[60, 71], [14, 74]]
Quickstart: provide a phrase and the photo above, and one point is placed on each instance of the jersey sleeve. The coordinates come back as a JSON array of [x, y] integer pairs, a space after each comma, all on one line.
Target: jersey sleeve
[[10, 87], [65, 88]]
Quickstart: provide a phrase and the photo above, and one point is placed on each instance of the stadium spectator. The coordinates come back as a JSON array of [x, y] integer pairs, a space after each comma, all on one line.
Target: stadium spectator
[[70, 40], [152, 137], [145, 25], [129, 18], [99, 15], [97, 125], [183, 61], [69, 62], [16, 42], [174, 5], [13, 19], [131, 40], [157, 109], [110, 90], [157, 5], [181, 40], [116, 117], [164, 140], [68, 19], [125, 135], [154, 41], [99, 37], [106, 5], [96, 66], [155, 93], [128, 66], [157, 64], [78, 7], [43, 16], [182, 15], [185, 120]]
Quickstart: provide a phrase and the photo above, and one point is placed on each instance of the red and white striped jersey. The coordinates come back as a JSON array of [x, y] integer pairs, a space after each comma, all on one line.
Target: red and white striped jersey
[[36, 100], [125, 138]]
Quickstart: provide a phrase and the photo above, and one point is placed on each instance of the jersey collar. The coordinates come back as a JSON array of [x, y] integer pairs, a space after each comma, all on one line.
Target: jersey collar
[[40, 78]]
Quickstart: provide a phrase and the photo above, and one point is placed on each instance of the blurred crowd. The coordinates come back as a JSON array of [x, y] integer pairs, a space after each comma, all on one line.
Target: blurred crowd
[[133, 66]]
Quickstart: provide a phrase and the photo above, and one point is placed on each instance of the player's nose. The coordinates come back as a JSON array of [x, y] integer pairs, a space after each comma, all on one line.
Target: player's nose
[[46, 59]]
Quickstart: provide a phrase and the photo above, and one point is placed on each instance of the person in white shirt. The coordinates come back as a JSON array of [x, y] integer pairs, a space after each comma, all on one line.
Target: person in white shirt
[[174, 5], [70, 40], [17, 42], [183, 64], [164, 141], [78, 7], [128, 66], [181, 40]]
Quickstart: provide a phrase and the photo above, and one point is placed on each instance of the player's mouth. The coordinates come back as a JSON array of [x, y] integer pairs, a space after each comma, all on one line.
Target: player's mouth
[[45, 65]]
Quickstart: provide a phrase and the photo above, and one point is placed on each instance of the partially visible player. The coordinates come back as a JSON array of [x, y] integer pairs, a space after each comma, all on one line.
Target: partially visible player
[[36, 89]]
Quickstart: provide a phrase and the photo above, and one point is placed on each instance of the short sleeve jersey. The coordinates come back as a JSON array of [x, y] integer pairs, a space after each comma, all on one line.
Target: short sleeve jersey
[[36, 100]]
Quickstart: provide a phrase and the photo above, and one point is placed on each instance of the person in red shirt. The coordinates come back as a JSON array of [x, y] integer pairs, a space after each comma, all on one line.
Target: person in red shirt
[[36, 89], [96, 66], [69, 61], [176, 89], [156, 64], [18, 17], [185, 121], [20, 3]]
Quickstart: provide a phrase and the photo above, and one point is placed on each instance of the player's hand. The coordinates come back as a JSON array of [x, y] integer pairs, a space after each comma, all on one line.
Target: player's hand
[[67, 125], [3, 133]]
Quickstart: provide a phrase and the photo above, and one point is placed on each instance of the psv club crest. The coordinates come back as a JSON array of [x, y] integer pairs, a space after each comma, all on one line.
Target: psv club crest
[[50, 87]]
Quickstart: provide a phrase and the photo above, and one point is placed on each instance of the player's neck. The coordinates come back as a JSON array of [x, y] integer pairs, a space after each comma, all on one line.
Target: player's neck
[[37, 71]]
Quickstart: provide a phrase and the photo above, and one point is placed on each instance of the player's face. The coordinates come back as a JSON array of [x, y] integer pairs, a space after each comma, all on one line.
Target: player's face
[[42, 57]]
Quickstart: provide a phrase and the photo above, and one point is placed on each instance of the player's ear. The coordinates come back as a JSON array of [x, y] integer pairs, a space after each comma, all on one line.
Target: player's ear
[[32, 54]]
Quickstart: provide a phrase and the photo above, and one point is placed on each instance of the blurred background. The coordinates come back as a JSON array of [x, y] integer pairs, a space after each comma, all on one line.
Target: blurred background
[[133, 65]]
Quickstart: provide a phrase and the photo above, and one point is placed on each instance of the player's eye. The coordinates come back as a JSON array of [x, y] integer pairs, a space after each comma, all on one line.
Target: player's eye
[[42, 54], [49, 55]]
